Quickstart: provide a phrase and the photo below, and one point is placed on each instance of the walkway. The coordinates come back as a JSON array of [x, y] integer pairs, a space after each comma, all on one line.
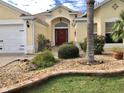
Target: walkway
[[7, 58]]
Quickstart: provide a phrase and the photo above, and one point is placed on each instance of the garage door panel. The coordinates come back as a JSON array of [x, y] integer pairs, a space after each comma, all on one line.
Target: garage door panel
[[13, 38], [13, 49]]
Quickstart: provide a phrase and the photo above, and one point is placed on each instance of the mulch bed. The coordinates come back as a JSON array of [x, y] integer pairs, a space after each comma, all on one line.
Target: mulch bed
[[20, 71]]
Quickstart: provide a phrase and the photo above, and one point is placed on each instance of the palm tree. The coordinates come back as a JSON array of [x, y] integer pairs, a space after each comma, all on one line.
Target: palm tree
[[118, 28], [90, 36]]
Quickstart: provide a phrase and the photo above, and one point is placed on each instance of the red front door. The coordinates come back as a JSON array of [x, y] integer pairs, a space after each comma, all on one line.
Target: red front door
[[61, 36]]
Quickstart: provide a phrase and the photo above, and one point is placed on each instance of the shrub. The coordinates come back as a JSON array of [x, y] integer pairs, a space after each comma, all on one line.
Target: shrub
[[71, 42], [68, 51], [44, 59], [83, 45], [42, 42], [98, 44]]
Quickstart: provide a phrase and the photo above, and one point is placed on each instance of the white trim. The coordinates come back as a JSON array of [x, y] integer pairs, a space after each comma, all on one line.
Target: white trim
[[60, 27], [113, 19], [33, 35], [53, 38], [25, 37], [28, 17], [11, 21], [80, 19], [120, 45]]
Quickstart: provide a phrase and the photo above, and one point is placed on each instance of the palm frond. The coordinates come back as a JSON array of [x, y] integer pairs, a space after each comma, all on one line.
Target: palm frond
[[122, 15]]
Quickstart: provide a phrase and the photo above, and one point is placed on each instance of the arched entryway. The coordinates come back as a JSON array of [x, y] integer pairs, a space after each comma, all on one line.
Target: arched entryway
[[61, 30]]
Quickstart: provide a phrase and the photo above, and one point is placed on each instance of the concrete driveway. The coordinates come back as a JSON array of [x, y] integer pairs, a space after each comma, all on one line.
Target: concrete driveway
[[7, 58]]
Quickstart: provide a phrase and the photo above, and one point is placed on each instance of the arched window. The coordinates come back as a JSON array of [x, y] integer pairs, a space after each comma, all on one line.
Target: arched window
[[61, 25]]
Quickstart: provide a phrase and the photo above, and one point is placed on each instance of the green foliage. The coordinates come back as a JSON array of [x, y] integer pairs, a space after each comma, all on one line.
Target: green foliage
[[68, 51], [83, 45], [44, 59], [42, 42], [98, 44], [71, 42], [118, 28]]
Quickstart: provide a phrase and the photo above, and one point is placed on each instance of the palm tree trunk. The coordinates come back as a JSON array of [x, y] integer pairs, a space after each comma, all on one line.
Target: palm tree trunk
[[90, 36]]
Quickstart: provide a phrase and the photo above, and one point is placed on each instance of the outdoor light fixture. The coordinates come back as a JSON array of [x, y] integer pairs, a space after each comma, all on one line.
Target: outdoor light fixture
[[60, 19], [27, 22]]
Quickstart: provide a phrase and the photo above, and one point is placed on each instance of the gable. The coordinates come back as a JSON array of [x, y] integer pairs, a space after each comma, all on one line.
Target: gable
[[61, 6], [101, 4], [8, 11], [60, 11], [110, 10], [113, 5]]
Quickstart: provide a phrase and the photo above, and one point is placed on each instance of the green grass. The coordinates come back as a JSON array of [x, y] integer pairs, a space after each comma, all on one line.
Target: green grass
[[79, 84]]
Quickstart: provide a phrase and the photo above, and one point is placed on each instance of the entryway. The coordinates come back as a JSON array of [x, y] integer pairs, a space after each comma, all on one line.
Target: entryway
[[61, 31], [61, 36]]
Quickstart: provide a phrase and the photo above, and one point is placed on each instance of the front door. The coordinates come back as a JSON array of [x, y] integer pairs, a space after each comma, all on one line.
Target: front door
[[61, 36]]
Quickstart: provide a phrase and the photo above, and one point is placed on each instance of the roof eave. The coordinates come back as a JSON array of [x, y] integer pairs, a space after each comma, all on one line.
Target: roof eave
[[101, 4]]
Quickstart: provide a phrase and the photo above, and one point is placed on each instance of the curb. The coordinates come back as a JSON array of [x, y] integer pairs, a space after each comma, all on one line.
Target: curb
[[41, 77]]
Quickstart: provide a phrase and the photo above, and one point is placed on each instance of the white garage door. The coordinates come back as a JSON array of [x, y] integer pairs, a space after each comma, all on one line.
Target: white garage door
[[12, 39]]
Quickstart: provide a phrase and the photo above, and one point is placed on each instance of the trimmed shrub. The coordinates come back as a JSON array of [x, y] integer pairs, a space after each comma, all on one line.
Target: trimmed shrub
[[67, 51], [44, 59], [99, 42], [42, 42]]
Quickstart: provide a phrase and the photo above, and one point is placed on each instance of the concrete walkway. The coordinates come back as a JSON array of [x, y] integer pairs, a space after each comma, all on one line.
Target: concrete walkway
[[7, 58]]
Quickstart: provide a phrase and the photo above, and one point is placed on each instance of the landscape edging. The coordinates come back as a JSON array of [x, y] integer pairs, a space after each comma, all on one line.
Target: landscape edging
[[45, 76]]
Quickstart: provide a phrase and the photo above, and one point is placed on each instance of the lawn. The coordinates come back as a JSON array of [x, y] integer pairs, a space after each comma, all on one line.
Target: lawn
[[79, 84]]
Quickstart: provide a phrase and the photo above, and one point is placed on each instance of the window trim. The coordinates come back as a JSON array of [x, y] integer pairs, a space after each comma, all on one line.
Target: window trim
[[109, 32]]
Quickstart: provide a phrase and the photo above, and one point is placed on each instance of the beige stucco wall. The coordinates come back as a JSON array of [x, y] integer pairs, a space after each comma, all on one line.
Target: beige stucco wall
[[30, 37], [81, 30], [107, 14], [39, 29], [7, 13], [53, 18]]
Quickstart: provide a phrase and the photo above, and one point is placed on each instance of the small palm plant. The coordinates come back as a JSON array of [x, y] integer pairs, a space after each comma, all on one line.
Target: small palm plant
[[118, 34], [118, 28]]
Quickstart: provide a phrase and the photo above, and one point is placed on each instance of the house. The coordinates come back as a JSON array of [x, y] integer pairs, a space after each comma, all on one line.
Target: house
[[65, 24], [105, 15], [19, 30]]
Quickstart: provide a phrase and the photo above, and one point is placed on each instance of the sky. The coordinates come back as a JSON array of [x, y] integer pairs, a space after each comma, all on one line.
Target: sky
[[37, 6]]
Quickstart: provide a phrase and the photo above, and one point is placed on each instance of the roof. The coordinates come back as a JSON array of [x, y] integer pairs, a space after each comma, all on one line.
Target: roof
[[97, 5], [56, 7], [14, 8], [101, 4], [42, 16]]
